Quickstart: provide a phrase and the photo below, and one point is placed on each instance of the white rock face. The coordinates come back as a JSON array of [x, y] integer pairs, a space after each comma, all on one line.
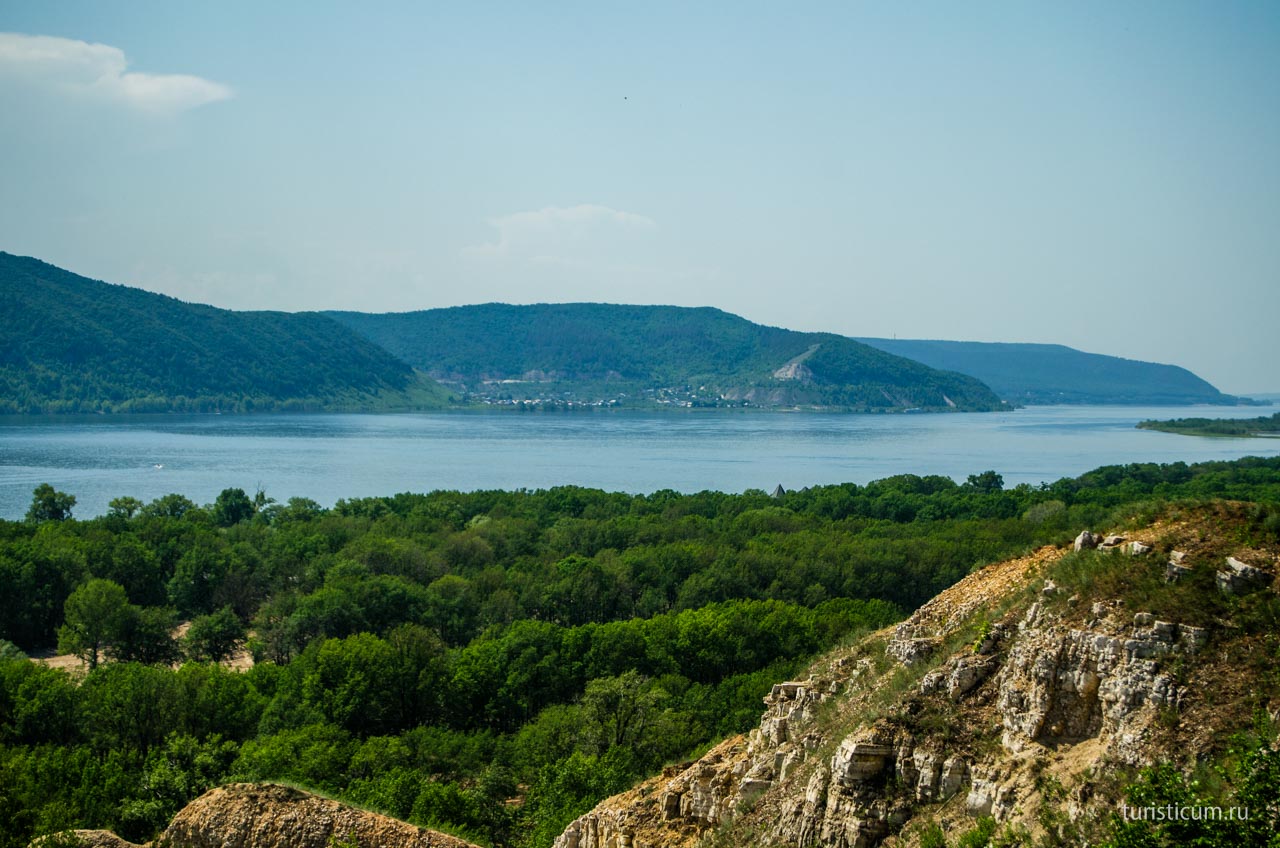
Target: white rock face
[[1043, 682]]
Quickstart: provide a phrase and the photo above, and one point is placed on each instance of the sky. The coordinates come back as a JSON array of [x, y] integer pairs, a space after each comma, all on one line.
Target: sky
[[1097, 174]]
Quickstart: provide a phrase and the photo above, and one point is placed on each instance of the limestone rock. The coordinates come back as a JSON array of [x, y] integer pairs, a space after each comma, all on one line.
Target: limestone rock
[[859, 760], [967, 673], [1175, 570], [1238, 578], [263, 815], [909, 646], [973, 738], [87, 839], [249, 815], [1086, 541]]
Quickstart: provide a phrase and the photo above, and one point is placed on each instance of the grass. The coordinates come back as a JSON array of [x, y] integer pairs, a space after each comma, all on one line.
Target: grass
[[1139, 582]]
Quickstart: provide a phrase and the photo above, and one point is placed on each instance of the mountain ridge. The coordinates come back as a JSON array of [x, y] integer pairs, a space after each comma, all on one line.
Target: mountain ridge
[[689, 356], [1036, 373], [69, 343]]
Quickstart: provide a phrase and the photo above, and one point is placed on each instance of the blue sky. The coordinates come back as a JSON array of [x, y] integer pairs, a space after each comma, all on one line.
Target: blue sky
[[1101, 175]]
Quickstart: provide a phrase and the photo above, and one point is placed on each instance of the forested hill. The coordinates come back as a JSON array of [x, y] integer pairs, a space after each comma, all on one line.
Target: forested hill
[[1047, 373], [71, 344], [590, 352]]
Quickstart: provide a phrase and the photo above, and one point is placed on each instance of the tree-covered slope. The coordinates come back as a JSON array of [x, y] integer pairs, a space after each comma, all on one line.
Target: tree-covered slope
[[1046, 373], [715, 357], [71, 344]]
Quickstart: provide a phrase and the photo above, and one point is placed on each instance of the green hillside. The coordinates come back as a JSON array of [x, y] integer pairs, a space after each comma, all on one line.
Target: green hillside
[[1046, 373], [625, 355], [71, 344]]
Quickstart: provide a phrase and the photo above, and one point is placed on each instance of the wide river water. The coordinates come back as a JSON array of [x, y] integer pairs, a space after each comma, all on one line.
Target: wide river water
[[327, 457]]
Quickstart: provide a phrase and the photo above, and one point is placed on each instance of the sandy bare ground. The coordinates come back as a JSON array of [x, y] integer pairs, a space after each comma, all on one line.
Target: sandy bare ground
[[242, 660]]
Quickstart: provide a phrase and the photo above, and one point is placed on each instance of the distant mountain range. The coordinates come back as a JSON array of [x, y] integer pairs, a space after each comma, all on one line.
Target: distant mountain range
[[596, 353], [72, 344], [1046, 373]]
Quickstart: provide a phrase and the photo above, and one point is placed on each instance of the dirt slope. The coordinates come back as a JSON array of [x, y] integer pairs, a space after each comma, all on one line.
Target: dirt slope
[[254, 815]]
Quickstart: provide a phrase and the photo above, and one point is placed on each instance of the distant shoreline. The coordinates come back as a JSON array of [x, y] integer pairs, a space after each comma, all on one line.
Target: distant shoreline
[[1267, 426]]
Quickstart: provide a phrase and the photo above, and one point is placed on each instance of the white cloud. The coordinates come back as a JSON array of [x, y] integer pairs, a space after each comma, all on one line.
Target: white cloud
[[557, 233], [100, 72]]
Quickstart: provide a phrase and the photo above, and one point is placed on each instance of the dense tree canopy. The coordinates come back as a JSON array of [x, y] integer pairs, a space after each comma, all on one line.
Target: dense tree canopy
[[597, 350], [48, 504], [71, 344], [437, 655]]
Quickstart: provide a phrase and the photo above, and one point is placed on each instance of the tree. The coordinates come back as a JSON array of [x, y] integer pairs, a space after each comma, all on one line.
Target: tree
[[95, 613], [169, 506], [48, 504], [986, 482], [215, 637], [145, 636], [131, 707], [196, 576], [352, 683], [231, 507], [618, 709], [124, 507]]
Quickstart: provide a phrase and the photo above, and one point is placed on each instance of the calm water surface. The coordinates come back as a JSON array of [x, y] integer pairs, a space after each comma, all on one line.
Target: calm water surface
[[327, 457]]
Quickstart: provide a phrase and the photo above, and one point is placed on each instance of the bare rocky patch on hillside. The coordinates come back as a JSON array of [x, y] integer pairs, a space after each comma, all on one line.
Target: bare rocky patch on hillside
[[1028, 693], [251, 815]]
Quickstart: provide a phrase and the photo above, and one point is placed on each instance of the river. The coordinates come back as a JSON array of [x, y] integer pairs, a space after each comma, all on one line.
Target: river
[[328, 457]]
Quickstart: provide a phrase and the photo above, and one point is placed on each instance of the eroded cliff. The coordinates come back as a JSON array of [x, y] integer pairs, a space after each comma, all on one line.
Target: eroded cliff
[[1027, 693]]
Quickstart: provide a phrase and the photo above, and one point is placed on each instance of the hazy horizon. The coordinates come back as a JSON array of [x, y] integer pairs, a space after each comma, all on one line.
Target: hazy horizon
[[1103, 177]]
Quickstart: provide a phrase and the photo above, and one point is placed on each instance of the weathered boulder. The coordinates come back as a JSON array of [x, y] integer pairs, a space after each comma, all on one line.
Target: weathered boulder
[[968, 672], [912, 651], [1086, 541], [1175, 571], [1239, 578], [858, 760]]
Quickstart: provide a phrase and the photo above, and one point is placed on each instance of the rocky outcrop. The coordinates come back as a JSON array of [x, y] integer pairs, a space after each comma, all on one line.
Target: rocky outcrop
[[794, 371], [84, 839], [1051, 689], [254, 815], [1086, 541], [248, 815], [1239, 578]]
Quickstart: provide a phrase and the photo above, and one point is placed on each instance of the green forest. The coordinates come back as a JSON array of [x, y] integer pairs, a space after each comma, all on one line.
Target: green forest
[[1048, 373], [71, 344], [488, 663], [646, 348], [1263, 425]]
